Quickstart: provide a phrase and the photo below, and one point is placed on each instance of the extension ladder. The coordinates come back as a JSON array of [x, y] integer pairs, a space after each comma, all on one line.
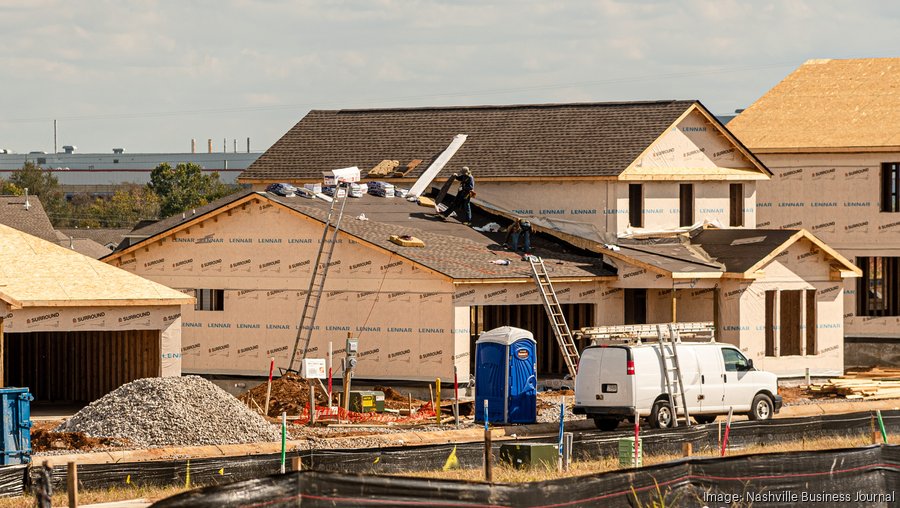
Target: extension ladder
[[554, 312], [672, 372], [320, 271]]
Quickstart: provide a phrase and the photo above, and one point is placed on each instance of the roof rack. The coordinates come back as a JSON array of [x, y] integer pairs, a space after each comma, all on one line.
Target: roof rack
[[637, 334]]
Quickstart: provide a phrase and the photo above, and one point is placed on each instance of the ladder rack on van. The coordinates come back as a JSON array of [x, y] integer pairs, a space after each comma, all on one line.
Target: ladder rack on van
[[637, 334]]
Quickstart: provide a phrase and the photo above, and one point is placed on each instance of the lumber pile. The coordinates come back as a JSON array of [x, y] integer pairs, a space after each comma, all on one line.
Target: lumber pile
[[384, 168], [869, 385]]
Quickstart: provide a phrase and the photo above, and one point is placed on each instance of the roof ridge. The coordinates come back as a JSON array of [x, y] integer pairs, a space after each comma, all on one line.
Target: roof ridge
[[512, 106]]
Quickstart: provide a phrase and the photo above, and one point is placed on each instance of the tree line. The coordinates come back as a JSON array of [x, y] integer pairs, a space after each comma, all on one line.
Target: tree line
[[170, 191]]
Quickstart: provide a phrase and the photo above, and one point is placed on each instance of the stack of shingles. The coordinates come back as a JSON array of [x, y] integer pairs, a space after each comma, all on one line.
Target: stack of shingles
[[875, 384]]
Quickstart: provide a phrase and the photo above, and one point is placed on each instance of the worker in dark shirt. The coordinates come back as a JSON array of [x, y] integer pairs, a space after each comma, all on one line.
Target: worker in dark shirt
[[463, 196]]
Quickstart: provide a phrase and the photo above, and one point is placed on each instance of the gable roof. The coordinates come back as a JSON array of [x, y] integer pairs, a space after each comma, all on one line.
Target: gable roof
[[519, 141], [38, 273], [733, 253], [32, 220], [827, 104], [451, 249]]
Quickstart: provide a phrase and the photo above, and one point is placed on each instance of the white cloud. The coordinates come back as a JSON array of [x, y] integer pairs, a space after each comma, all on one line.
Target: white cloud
[[136, 59]]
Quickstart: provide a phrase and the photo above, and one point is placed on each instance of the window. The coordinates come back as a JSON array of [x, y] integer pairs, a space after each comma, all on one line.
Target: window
[[734, 360], [41, 160], [209, 299], [791, 323], [636, 205], [790, 307], [736, 205], [878, 290], [685, 204], [890, 187], [770, 322]]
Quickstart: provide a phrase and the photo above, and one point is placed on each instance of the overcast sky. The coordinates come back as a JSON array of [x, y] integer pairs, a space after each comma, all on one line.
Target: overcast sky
[[149, 76]]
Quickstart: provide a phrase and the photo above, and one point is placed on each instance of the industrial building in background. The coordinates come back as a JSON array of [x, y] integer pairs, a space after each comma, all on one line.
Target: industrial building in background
[[103, 173]]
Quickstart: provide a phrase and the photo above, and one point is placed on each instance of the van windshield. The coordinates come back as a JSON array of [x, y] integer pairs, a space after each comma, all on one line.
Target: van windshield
[[734, 360]]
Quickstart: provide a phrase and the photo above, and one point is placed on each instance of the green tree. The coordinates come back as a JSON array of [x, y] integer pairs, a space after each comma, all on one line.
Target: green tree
[[185, 186], [125, 208], [45, 186]]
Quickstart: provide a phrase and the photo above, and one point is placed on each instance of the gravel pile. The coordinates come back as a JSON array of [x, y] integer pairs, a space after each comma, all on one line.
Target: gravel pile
[[171, 411]]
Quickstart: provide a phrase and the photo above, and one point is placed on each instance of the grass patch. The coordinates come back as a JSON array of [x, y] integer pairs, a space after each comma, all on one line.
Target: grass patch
[[507, 474], [98, 496]]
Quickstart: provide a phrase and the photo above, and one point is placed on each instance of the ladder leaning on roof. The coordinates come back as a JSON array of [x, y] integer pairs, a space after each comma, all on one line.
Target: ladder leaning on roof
[[672, 372], [554, 312], [320, 270]]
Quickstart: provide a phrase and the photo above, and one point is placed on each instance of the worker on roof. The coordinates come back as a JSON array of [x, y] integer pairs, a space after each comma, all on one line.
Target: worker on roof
[[463, 196], [519, 228]]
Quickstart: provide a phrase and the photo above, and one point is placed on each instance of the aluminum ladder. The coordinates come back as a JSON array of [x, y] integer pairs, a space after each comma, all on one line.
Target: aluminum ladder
[[672, 372], [554, 312], [320, 271]]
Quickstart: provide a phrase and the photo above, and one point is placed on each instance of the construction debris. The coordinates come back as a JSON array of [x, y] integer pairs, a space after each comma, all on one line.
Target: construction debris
[[384, 168], [876, 384], [171, 411]]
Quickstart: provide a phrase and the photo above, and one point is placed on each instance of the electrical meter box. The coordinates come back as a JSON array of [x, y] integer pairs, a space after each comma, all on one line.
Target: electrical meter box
[[313, 368], [366, 401], [530, 455]]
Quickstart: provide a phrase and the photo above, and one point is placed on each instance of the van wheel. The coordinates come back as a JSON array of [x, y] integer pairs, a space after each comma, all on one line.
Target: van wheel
[[606, 424], [762, 408], [704, 419], [661, 416]]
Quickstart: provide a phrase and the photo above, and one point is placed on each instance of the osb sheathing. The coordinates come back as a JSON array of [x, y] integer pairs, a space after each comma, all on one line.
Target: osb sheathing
[[826, 104], [837, 197], [411, 323], [39, 273]]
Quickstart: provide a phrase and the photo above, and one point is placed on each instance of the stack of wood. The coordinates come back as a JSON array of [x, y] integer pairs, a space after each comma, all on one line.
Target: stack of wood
[[384, 168], [875, 384]]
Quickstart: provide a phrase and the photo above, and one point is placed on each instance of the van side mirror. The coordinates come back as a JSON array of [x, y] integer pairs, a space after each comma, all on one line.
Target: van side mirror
[[749, 364]]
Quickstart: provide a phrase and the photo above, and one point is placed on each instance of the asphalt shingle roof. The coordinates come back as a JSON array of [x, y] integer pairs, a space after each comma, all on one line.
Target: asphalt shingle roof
[[32, 220], [591, 139], [451, 248]]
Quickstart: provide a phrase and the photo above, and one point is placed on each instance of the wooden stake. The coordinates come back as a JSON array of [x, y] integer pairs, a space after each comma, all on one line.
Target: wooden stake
[[296, 464], [312, 402], [269, 388], [687, 449], [72, 483], [437, 397], [488, 474], [410, 403]]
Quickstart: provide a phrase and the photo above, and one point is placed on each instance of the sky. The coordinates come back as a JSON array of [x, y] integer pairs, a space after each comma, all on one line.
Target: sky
[[148, 76]]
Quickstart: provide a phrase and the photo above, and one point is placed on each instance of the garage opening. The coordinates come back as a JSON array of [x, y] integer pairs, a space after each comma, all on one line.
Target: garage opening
[[79, 366], [534, 319]]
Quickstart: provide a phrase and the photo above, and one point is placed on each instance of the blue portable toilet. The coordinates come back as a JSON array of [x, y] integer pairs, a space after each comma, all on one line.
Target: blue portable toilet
[[506, 376], [15, 426]]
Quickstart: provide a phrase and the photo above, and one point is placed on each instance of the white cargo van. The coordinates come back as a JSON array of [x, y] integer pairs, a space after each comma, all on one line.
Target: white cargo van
[[615, 379]]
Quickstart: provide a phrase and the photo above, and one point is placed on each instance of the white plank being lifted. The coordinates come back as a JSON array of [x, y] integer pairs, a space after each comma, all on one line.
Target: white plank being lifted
[[425, 180]]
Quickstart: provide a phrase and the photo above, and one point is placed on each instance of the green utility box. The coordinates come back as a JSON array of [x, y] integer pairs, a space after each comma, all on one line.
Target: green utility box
[[530, 455], [626, 452], [366, 401]]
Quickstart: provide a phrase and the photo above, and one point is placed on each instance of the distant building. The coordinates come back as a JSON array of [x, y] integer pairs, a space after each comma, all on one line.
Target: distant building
[[102, 173], [27, 214]]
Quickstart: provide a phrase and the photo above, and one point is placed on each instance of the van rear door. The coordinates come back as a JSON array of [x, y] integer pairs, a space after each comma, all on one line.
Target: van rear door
[[603, 379]]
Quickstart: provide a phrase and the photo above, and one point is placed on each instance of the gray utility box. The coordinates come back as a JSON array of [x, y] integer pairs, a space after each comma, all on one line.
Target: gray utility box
[[530, 455]]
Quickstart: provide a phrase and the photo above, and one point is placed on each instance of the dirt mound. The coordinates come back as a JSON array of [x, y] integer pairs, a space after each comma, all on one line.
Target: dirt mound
[[44, 440], [290, 394]]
